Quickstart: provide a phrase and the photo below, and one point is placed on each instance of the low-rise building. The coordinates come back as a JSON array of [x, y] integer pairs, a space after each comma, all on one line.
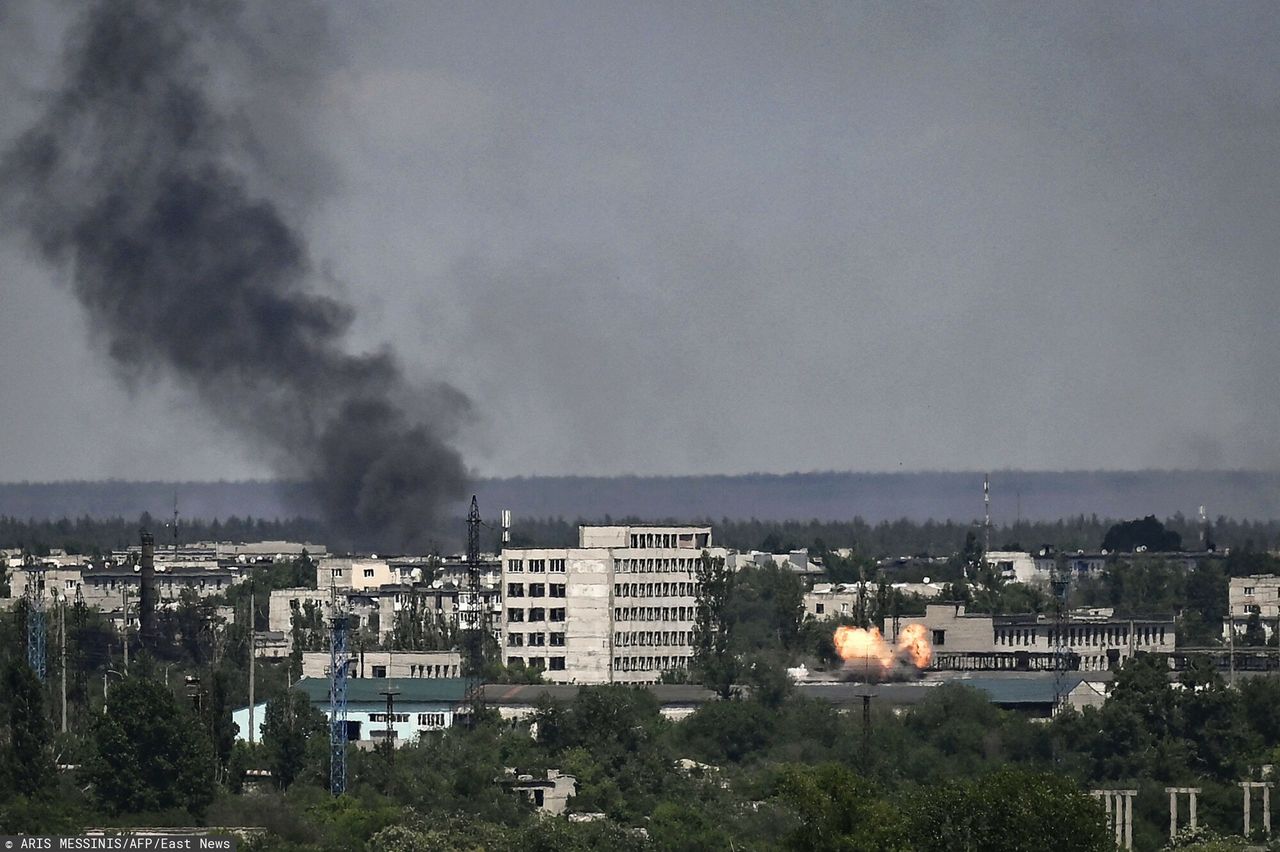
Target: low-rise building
[[420, 706], [1257, 594], [396, 665], [1097, 638], [550, 795]]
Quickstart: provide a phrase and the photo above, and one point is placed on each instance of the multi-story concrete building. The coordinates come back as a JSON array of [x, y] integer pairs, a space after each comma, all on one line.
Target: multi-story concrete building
[[620, 607], [980, 640], [1257, 594]]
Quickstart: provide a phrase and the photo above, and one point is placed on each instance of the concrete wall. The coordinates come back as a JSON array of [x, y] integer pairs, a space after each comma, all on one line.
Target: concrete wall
[[396, 664], [1258, 593]]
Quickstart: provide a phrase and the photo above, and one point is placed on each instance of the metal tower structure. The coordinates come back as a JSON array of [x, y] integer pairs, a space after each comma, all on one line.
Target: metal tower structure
[[338, 661], [986, 513], [35, 616], [477, 615], [1060, 582]]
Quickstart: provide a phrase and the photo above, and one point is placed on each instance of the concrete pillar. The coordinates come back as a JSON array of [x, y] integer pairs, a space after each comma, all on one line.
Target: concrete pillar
[[1193, 791], [1118, 810], [1248, 797], [1266, 809], [1173, 813], [1128, 818]]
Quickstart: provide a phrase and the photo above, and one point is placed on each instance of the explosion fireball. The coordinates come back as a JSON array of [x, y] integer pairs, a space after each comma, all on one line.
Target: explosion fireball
[[866, 651]]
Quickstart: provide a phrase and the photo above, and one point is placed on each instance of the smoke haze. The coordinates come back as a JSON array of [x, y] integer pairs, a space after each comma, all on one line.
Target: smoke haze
[[153, 187], [725, 238]]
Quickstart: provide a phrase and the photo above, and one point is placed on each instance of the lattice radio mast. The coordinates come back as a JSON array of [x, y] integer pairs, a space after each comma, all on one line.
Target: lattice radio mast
[[478, 615], [1060, 582], [338, 661], [36, 637]]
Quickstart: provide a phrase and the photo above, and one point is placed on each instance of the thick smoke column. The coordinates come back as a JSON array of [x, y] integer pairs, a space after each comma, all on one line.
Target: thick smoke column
[[130, 181]]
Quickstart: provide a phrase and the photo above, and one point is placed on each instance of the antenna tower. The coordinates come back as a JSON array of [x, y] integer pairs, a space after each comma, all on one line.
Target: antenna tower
[[478, 613], [1060, 581], [35, 615], [986, 513], [338, 661]]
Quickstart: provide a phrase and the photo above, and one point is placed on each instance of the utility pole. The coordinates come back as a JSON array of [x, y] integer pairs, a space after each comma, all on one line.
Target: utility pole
[[390, 692], [62, 638], [124, 605], [253, 640]]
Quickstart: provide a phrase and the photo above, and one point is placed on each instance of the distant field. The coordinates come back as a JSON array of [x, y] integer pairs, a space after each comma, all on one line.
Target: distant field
[[1040, 495]]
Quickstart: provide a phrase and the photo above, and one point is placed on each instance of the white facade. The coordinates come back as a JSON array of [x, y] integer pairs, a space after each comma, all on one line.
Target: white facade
[[618, 608], [393, 664], [1256, 594], [1018, 566]]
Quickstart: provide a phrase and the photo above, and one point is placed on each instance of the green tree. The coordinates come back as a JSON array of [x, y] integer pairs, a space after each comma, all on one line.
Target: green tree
[[839, 811], [713, 653], [288, 725], [1009, 810], [1145, 534], [1255, 636], [144, 755], [26, 756]]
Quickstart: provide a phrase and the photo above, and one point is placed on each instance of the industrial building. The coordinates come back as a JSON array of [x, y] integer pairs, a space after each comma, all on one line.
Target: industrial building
[[420, 705], [619, 608], [1101, 641]]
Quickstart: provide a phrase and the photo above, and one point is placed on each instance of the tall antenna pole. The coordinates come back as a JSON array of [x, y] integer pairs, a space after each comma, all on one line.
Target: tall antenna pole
[[986, 513], [124, 606], [477, 617], [62, 640], [1060, 582], [35, 615], [253, 652], [337, 693]]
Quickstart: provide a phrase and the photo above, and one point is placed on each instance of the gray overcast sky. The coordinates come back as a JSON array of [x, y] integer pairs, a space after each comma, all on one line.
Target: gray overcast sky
[[663, 238]]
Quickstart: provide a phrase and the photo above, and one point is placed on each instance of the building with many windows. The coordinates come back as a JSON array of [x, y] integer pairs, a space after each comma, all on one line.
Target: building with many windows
[[619, 608], [1257, 594]]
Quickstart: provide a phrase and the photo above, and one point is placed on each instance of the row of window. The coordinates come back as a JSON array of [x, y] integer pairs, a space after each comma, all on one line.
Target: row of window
[[382, 717], [536, 566], [535, 640], [652, 590], [536, 590], [1101, 635], [649, 664], [535, 613], [425, 720], [656, 566], [657, 539], [654, 613], [557, 663], [652, 637]]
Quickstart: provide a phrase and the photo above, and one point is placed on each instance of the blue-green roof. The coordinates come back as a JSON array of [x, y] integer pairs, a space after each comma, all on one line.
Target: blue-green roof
[[413, 690]]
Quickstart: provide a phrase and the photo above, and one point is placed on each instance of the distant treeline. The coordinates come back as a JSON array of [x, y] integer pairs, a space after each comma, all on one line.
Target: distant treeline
[[877, 540], [832, 496], [910, 538], [101, 535]]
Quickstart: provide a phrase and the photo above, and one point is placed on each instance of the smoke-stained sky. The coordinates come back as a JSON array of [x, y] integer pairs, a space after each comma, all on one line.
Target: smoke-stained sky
[[664, 238]]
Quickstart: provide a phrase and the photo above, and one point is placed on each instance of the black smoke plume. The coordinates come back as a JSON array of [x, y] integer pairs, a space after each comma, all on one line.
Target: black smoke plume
[[134, 180]]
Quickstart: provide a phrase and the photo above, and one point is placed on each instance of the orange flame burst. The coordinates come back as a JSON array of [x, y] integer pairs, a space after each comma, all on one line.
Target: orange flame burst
[[868, 651]]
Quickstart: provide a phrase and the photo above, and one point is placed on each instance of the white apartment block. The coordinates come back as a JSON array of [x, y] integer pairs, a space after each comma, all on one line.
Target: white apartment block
[[619, 608], [1256, 594]]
